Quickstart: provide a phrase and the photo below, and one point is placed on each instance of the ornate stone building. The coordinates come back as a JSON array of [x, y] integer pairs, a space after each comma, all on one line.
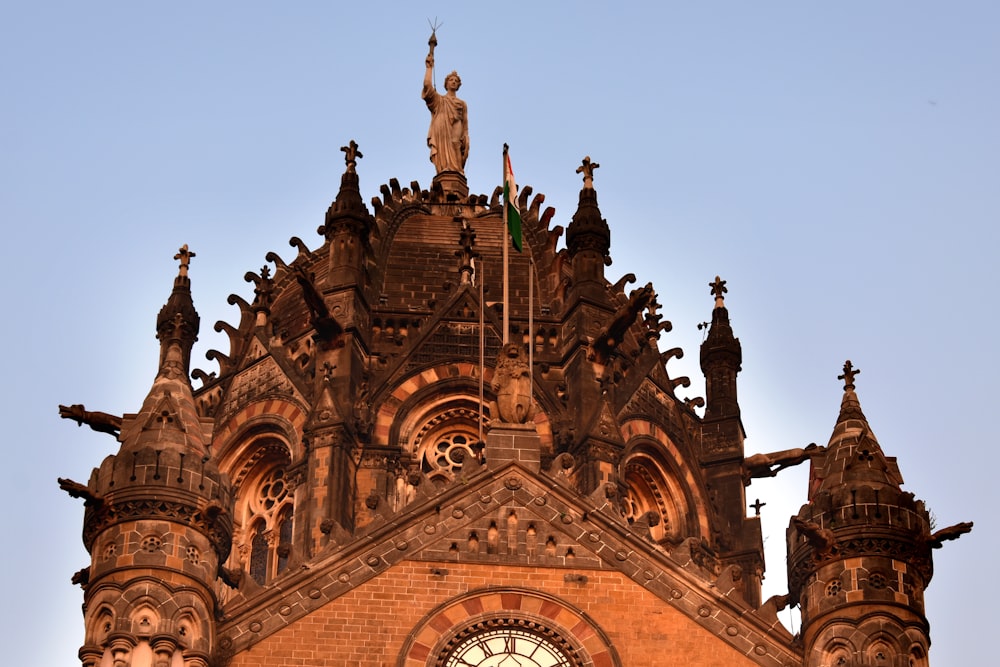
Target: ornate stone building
[[373, 477]]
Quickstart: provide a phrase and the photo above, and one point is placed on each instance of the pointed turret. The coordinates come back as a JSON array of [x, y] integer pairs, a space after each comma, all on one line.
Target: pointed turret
[[588, 237], [859, 552], [157, 522], [721, 359], [168, 418], [348, 225], [738, 537], [853, 455]]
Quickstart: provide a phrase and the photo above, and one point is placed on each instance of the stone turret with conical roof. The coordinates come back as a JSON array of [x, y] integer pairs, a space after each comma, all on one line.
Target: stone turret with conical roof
[[348, 225], [588, 238], [859, 552], [157, 522]]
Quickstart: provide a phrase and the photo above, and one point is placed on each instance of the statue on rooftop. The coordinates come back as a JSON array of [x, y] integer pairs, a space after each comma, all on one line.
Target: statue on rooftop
[[448, 135]]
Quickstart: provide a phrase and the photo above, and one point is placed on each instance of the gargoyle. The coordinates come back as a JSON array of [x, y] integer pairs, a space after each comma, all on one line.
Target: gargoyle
[[81, 577], [101, 422], [769, 465], [822, 539], [774, 604], [642, 524], [231, 576], [77, 490], [938, 539], [613, 334], [328, 330]]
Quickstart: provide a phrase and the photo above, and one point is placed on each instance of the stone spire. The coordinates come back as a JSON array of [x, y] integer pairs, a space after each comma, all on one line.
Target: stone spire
[[853, 454], [721, 359], [588, 237], [178, 322], [738, 540], [348, 225], [168, 418]]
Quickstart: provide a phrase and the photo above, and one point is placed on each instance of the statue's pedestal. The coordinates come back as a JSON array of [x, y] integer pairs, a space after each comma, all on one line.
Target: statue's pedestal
[[513, 442], [452, 185]]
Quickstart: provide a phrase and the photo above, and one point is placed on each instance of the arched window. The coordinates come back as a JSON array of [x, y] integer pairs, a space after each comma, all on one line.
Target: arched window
[[258, 553], [446, 442], [264, 512], [284, 537]]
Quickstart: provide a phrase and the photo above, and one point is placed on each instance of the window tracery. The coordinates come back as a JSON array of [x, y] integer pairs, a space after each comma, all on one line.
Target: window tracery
[[446, 442], [265, 512]]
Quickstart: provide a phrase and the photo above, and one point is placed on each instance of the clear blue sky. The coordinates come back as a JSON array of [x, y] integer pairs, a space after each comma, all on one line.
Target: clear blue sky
[[836, 163]]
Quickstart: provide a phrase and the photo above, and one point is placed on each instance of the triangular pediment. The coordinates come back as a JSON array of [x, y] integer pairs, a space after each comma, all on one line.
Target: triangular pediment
[[255, 351], [263, 378], [485, 518], [453, 333]]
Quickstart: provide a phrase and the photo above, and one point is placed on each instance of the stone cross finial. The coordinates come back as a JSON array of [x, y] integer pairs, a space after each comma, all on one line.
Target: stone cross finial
[[587, 169], [351, 155], [848, 376], [184, 255], [719, 290], [756, 505]]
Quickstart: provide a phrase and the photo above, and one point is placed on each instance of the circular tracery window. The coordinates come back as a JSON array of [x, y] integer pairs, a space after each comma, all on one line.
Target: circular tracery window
[[272, 490], [508, 643]]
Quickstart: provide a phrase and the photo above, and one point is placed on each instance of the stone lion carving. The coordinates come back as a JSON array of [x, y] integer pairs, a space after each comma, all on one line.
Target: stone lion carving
[[512, 384]]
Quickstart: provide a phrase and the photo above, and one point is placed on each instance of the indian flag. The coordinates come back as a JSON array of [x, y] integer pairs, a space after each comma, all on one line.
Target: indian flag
[[511, 214]]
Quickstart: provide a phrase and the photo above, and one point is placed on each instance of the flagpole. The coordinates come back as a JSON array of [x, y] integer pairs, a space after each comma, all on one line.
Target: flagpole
[[506, 242], [482, 350], [531, 326]]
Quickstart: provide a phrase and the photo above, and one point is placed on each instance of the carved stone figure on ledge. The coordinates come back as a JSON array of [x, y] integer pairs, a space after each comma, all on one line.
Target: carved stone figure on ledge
[[512, 384]]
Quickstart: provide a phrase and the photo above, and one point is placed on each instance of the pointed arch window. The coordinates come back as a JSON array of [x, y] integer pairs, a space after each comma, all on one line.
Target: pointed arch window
[[258, 553], [264, 513]]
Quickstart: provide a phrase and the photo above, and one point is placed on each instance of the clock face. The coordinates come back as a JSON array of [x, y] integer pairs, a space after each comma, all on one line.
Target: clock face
[[507, 647]]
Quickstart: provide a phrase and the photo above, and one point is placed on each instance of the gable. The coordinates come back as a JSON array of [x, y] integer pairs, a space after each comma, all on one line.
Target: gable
[[407, 614], [397, 573]]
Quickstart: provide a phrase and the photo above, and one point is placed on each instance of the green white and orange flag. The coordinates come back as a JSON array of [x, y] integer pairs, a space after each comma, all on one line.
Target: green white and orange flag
[[510, 212]]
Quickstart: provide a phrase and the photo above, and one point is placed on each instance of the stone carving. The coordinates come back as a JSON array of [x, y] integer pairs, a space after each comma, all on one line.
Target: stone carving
[[512, 384], [769, 465], [769, 610], [949, 533], [78, 490], [328, 330], [448, 135], [587, 169], [351, 156], [184, 255], [101, 422], [821, 539], [719, 290], [611, 336]]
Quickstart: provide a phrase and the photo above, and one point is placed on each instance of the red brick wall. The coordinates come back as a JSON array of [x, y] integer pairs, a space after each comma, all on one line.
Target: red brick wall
[[369, 626]]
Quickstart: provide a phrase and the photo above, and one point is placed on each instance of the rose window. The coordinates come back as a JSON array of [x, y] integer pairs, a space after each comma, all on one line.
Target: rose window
[[444, 454]]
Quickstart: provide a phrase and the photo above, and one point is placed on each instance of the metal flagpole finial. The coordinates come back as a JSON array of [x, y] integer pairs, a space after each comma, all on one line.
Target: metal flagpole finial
[[432, 42]]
